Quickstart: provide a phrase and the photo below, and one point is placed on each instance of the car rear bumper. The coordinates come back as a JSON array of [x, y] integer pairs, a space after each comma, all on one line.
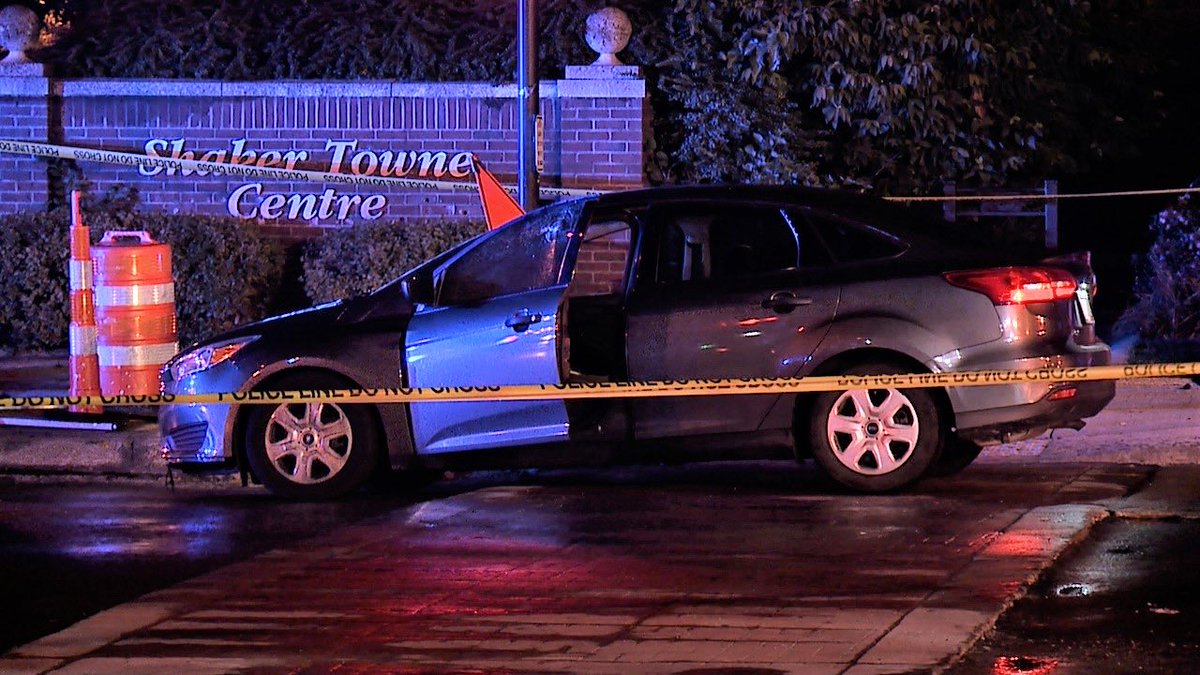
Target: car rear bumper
[[1018, 422], [1012, 412]]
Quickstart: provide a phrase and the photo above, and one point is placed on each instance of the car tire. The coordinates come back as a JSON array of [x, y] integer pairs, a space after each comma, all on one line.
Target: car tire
[[875, 440], [957, 454], [311, 450]]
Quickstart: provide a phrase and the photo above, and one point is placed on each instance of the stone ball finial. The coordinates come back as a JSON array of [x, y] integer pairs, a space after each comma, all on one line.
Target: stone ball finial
[[19, 28], [608, 32]]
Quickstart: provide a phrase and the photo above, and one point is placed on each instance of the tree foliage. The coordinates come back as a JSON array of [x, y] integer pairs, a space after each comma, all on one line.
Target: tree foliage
[[1165, 314], [892, 94], [902, 93]]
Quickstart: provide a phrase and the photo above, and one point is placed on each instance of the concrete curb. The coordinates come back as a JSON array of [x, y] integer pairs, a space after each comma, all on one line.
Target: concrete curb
[[130, 452], [934, 635]]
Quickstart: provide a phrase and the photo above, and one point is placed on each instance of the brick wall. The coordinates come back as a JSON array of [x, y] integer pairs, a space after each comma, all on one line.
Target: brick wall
[[594, 134]]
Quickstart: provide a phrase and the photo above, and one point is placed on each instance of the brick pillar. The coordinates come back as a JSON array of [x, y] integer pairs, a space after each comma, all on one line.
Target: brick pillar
[[25, 103], [603, 122]]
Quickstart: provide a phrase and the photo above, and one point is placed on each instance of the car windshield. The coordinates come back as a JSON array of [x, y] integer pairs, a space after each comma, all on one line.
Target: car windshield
[[523, 255]]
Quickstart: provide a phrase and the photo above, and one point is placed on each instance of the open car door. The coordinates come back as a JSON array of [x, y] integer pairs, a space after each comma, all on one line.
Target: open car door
[[496, 320]]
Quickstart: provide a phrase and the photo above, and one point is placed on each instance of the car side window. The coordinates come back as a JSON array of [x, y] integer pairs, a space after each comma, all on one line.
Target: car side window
[[521, 256], [709, 241], [850, 242]]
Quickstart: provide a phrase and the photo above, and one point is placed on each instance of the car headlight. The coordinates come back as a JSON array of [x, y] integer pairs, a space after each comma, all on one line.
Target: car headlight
[[203, 358]]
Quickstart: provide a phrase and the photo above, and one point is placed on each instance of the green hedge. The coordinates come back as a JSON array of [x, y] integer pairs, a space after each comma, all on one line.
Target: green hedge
[[33, 265], [226, 272], [346, 262]]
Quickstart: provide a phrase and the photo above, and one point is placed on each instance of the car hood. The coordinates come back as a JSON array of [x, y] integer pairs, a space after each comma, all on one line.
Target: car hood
[[388, 310], [320, 317]]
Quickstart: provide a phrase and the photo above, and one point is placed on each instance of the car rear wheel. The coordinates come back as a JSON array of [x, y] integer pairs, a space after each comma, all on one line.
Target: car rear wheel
[[311, 450], [875, 440]]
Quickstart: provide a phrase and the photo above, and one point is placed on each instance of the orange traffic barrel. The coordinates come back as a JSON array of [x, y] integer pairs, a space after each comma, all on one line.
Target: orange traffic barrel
[[135, 311]]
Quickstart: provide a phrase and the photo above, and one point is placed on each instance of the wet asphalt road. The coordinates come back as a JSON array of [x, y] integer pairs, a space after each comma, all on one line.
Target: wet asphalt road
[[68, 551], [1128, 604], [1125, 601]]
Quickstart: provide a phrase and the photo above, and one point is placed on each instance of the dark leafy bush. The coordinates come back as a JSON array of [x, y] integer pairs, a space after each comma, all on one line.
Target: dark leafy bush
[[900, 94], [226, 272], [346, 262], [307, 39], [1165, 314], [897, 95], [33, 265]]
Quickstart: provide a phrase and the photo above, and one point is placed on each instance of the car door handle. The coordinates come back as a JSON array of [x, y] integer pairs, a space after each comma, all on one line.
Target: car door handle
[[521, 320], [784, 302]]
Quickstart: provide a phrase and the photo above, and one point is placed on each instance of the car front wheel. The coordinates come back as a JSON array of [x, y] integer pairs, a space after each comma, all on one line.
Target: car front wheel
[[875, 440], [311, 450]]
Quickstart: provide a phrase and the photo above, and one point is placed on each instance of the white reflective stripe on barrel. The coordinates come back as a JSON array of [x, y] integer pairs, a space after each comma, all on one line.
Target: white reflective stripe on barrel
[[82, 339], [137, 355], [80, 272], [135, 295]]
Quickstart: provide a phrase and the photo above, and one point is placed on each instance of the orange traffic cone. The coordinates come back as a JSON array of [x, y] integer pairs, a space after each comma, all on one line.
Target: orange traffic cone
[[83, 362], [499, 207]]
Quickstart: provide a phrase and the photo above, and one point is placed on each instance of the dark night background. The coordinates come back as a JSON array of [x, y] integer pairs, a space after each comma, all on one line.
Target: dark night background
[[1099, 95]]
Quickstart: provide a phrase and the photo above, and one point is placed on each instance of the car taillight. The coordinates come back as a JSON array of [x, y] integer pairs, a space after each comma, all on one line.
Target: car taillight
[[1016, 285]]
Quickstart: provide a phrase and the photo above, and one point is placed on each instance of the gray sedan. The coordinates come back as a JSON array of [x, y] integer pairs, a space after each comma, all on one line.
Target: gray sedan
[[671, 283]]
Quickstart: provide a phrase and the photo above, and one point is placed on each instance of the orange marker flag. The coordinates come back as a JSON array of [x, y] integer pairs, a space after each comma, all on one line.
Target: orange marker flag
[[499, 207]]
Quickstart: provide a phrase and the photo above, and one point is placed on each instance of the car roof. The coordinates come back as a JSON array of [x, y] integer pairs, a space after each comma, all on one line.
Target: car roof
[[919, 224], [898, 218]]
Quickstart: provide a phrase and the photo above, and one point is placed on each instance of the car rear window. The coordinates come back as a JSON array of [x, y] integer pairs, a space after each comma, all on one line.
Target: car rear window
[[850, 241]]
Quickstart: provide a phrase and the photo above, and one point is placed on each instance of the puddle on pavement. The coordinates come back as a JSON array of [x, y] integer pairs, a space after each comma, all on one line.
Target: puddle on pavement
[[1073, 590], [1024, 665], [1124, 600]]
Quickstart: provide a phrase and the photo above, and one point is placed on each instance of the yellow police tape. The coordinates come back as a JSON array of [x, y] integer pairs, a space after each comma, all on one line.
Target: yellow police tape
[[715, 387], [132, 159], [172, 164]]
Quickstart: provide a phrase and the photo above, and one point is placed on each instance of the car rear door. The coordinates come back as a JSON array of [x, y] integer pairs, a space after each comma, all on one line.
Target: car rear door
[[496, 321], [723, 291]]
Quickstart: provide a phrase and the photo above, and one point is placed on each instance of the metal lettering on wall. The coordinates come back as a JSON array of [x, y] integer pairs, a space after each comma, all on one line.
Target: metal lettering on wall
[[253, 201]]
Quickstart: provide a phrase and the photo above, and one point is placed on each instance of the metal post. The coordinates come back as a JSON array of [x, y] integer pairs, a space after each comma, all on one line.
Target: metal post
[[949, 207], [528, 102], [1051, 213]]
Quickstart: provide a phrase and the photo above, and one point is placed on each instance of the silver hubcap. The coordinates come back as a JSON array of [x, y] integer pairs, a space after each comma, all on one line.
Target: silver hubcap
[[872, 431], [308, 442]]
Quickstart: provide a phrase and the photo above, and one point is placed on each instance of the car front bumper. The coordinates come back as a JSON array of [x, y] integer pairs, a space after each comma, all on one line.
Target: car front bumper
[[194, 436], [197, 435]]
